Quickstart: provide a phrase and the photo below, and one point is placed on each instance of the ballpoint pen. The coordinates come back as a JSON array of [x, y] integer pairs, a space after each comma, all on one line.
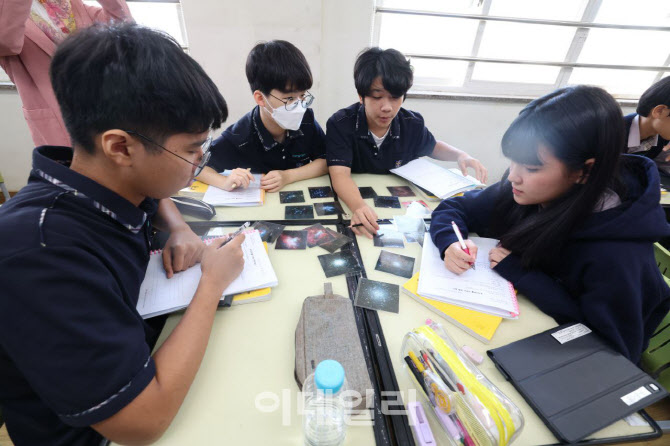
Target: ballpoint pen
[[461, 241]]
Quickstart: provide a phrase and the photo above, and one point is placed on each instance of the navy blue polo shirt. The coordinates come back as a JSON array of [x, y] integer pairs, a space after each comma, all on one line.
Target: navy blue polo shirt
[[248, 144], [350, 144], [73, 349]]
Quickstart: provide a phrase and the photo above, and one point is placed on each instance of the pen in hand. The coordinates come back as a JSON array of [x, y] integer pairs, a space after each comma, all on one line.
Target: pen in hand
[[235, 234], [361, 224], [461, 241]]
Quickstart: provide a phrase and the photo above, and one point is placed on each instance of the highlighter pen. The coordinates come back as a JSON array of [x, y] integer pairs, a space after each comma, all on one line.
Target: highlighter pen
[[461, 241]]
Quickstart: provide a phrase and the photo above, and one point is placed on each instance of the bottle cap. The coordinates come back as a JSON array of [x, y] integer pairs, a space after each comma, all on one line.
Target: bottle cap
[[329, 375]]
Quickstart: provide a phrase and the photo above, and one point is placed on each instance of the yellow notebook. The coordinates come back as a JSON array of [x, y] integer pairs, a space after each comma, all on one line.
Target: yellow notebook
[[480, 325], [252, 296]]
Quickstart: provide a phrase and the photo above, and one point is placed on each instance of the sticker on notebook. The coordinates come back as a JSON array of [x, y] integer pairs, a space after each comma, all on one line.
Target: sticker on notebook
[[571, 332], [635, 396]]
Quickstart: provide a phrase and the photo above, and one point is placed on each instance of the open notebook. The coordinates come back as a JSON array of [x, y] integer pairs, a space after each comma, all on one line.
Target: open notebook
[[160, 295], [251, 196], [436, 179], [480, 289]]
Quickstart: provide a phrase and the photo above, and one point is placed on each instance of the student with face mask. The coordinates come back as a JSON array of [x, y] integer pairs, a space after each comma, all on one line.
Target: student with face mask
[[576, 219], [280, 137]]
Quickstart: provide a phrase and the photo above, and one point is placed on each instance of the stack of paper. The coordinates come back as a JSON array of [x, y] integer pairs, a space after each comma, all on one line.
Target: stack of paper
[[442, 182], [480, 289], [480, 325], [160, 295]]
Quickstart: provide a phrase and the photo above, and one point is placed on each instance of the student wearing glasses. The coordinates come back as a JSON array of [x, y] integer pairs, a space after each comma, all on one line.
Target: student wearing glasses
[[76, 360], [280, 137]]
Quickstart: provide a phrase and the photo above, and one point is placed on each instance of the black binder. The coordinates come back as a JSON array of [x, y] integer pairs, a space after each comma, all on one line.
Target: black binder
[[577, 387]]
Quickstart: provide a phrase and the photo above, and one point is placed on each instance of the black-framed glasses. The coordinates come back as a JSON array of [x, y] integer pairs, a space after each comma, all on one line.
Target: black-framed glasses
[[206, 154], [306, 101]]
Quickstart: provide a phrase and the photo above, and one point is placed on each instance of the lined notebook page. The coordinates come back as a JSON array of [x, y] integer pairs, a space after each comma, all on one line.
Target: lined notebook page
[[480, 289], [159, 295]]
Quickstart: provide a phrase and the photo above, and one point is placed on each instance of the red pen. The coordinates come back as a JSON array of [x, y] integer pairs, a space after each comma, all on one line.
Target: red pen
[[461, 241]]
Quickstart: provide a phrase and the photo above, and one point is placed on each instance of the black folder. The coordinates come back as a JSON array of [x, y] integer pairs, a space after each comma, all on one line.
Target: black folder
[[577, 387]]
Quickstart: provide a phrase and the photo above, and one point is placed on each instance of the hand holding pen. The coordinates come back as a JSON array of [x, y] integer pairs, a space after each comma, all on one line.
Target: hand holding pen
[[461, 255]]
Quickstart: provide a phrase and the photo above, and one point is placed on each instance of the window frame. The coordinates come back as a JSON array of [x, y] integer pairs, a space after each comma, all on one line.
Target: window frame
[[516, 90]]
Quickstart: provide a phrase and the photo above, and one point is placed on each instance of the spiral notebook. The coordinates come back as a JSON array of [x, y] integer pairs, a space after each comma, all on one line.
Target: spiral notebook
[[160, 295], [480, 289]]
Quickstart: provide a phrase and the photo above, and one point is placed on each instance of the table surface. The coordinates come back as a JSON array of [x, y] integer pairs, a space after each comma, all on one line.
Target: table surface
[[249, 364]]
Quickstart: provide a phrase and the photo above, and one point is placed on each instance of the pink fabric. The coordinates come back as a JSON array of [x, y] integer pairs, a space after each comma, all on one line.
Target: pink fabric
[[25, 54]]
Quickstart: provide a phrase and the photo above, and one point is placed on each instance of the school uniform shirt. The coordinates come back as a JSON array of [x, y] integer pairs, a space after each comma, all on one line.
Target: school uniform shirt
[[349, 142], [73, 348], [651, 147], [248, 144], [607, 279]]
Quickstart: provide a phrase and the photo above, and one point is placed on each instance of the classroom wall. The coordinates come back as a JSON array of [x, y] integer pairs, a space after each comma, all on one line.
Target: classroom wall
[[330, 33]]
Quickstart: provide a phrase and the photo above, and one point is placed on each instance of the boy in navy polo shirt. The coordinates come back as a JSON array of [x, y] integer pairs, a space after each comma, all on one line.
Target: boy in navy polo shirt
[[648, 130], [279, 137], [376, 134], [75, 364]]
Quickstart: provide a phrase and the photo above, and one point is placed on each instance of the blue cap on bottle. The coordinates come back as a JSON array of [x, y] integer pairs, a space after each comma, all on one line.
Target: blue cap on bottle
[[329, 375]]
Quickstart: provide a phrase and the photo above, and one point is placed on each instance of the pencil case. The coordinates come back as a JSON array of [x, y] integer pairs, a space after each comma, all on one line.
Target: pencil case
[[327, 330], [470, 409]]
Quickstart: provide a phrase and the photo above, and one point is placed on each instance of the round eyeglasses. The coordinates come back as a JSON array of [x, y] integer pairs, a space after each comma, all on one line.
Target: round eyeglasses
[[305, 101]]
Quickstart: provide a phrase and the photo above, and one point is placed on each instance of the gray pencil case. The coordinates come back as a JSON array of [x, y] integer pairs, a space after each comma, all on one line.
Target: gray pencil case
[[327, 330]]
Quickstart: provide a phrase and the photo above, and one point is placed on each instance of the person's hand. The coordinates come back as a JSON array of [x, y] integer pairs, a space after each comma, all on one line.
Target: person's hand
[[465, 161], [238, 178], [182, 250], [497, 254], [222, 264], [458, 261], [274, 180], [368, 217], [666, 149]]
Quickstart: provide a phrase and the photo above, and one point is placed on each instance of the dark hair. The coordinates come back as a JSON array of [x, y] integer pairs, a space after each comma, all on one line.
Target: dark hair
[[575, 124], [279, 65], [125, 76], [657, 94], [391, 65]]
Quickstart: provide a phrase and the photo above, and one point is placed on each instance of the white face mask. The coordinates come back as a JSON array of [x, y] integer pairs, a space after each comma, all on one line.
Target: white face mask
[[288, 120]]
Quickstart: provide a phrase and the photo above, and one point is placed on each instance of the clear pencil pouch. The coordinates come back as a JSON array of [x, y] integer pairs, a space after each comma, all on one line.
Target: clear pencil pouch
[[470, 409]]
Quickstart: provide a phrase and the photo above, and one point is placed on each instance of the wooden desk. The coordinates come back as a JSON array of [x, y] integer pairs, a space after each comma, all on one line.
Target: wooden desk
[[272, 209], [251, 351], [412, 314]]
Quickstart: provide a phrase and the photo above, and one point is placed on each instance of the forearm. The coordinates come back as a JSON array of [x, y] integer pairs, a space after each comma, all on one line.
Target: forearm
[[179, 357], [168, 218], [446, 152], [346, 189], [543, 290], [212, 177], [147, 417], [13, 25], [314, 169]]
